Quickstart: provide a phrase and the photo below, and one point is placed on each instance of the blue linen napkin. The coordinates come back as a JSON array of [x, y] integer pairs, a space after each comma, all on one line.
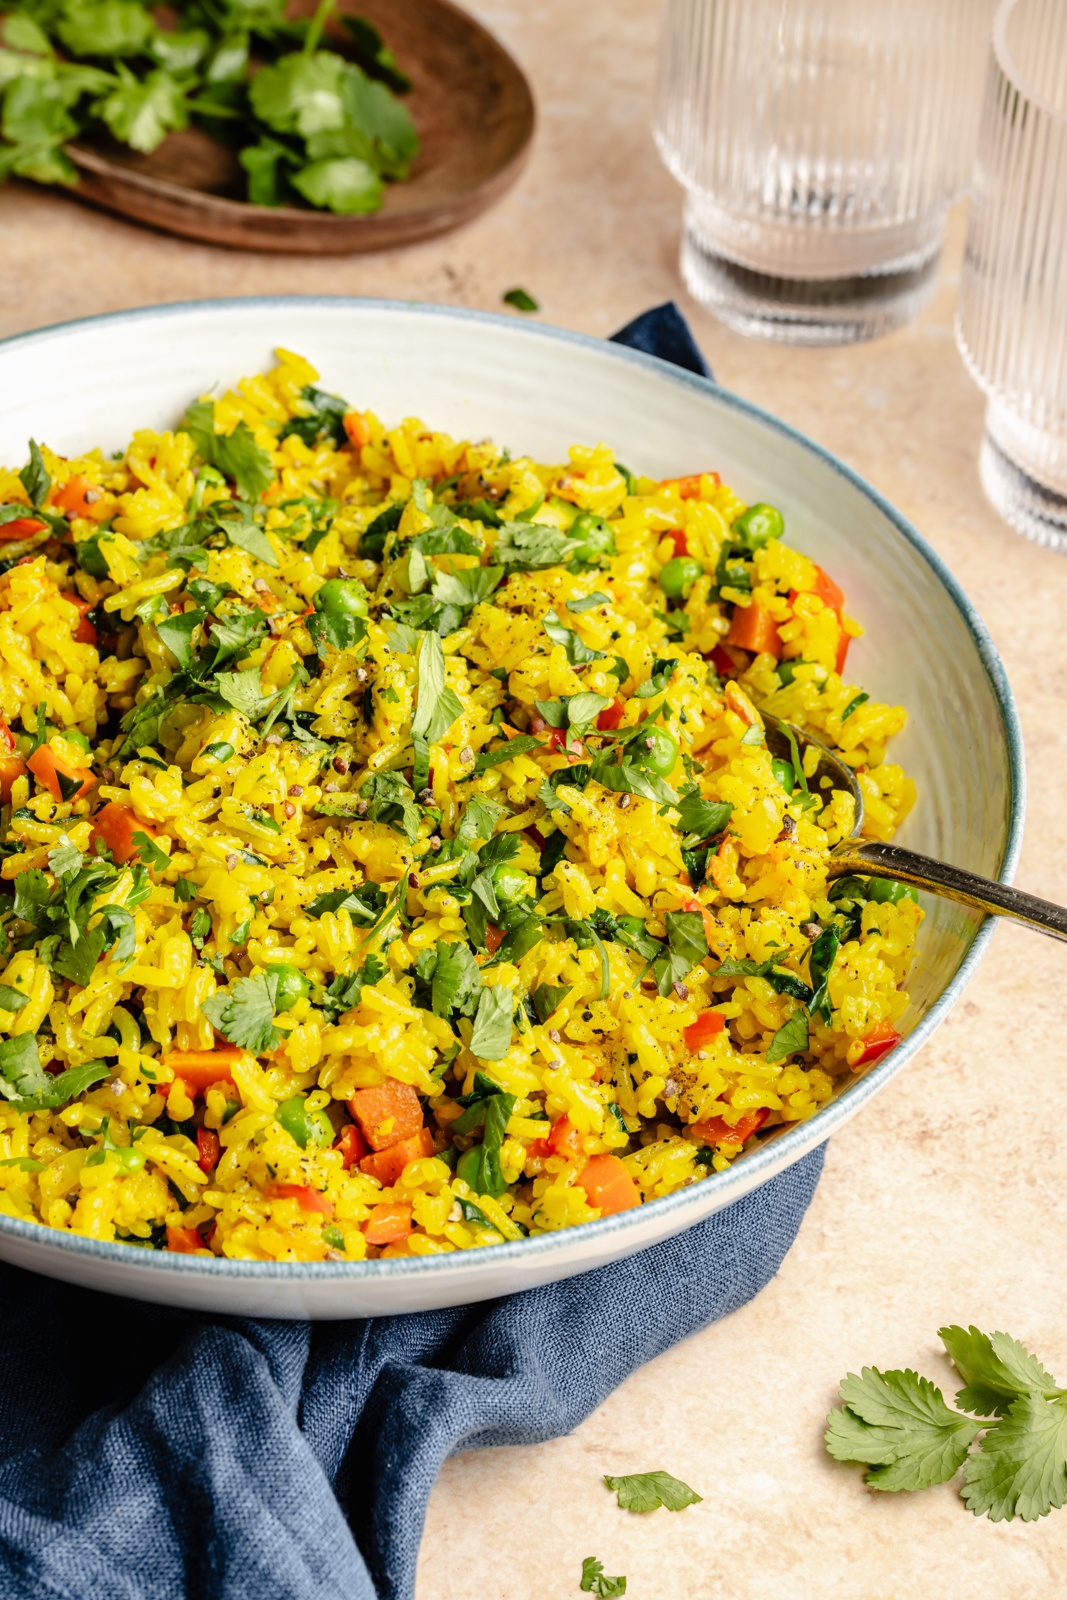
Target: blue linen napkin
[[153, 1454]]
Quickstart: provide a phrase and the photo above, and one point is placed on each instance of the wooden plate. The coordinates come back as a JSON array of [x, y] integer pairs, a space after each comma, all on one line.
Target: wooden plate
[[470, 102]]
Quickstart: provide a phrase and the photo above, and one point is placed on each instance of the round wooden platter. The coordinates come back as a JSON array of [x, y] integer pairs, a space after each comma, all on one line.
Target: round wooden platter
[[470, 101]]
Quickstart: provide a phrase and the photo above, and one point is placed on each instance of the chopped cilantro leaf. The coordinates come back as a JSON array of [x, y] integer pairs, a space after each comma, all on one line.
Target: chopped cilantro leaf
[[647, 1491], [245, 1015], [520, 300], [491, 1039], [595, 1581]]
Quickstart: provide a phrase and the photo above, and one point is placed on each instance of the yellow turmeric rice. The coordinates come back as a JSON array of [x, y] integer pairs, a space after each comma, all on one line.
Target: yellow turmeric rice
[[393, 859]]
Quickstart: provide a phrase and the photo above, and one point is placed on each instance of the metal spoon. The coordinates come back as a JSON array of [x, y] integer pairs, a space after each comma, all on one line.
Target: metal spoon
[[871, 859]]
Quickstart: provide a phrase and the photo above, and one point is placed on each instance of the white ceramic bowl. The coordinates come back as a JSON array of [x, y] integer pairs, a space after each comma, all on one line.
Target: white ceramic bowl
[[538, 390]]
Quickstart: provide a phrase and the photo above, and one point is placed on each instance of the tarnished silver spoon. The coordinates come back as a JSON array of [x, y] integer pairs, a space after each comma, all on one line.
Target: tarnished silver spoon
[[872, 859]]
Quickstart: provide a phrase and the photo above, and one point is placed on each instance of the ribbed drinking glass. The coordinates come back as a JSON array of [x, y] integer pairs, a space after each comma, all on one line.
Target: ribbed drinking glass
[[1012, 318], [821, 143]]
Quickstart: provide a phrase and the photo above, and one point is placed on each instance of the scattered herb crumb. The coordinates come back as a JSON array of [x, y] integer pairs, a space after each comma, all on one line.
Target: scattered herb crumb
[[595, 1580], [900, 1427], [522, 302], [646, 1491]]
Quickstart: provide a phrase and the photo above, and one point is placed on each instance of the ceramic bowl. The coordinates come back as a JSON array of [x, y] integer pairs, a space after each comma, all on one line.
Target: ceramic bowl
[[539, 389]]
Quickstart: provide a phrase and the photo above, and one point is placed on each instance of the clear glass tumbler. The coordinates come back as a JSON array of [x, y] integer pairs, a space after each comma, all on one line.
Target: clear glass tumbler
[[821, 143], [1012, 317]]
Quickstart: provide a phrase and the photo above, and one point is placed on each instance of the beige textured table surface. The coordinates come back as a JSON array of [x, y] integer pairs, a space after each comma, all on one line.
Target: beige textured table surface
[[947, 1201]]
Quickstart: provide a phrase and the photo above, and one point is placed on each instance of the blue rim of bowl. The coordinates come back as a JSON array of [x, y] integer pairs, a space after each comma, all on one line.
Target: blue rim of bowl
[[768, 1159]]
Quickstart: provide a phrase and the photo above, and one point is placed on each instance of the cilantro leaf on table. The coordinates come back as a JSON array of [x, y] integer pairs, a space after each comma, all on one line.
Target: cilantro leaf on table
[[595, 1581], [899, 1425], [906, 1433], [491, 1038], [996, 1370], [245, 1014], [647, 1491], [1020, 1468], [236, 455]]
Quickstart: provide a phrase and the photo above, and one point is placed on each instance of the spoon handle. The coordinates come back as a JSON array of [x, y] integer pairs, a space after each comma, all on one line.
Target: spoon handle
[[876, 860]]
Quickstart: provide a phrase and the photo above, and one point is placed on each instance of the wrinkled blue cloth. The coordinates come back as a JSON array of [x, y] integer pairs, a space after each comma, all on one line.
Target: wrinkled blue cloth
[[153, 1454]]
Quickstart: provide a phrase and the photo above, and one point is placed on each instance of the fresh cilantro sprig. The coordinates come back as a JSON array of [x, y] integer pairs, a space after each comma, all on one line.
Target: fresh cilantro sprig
[[245, 1014], [900, 1427], [596, 1581], [309, 125]]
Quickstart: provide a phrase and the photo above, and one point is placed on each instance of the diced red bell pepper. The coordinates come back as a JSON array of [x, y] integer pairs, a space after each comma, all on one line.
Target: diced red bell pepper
[[611, 716], [84, 633], [715, 1130], [689, 488], [535, 836], [183, 1241], [494, 938], [20, 528], [352, 1145], [878, 1043], [7, 739], [679, 541], [564, 1139], [208, 1149], [704, 1029], [72, 498], [355, 426], [307, 1199]]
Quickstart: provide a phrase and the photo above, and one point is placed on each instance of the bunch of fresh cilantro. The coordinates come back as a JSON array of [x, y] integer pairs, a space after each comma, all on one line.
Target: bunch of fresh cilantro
[[899, 1425], [310, 122]]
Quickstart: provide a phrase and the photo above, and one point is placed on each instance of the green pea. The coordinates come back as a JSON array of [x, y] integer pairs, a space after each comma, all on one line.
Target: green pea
[[342, 597], [783, 771], [292, 986], [886, 891], [657, 751], [595, 537], [469, 1168], [679, 576], [333, 1236], [511, 884], [757, 525], [306, 1127]]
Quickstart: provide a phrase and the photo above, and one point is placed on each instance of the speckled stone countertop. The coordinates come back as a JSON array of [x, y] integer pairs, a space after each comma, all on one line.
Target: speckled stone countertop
[[944, 1203]]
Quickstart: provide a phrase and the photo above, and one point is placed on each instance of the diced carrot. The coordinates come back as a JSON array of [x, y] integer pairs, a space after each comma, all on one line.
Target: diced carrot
[[387, 1165], [355, 425], [208, 1149], [352, 1145], [537, 1152], [679, 541], [608, 1185], [704, 1029], [753, 628], [199, 1069], [116, 825], [387, 1113], [611, 716], [11, 767], [710, 925], [307, 1199], [689, 488], [47, 769], [494, 938], [72, 498], [881, 1039], [715, 1130], [184, 1241], [564, 1139], [388, 1223], [21, 528]]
